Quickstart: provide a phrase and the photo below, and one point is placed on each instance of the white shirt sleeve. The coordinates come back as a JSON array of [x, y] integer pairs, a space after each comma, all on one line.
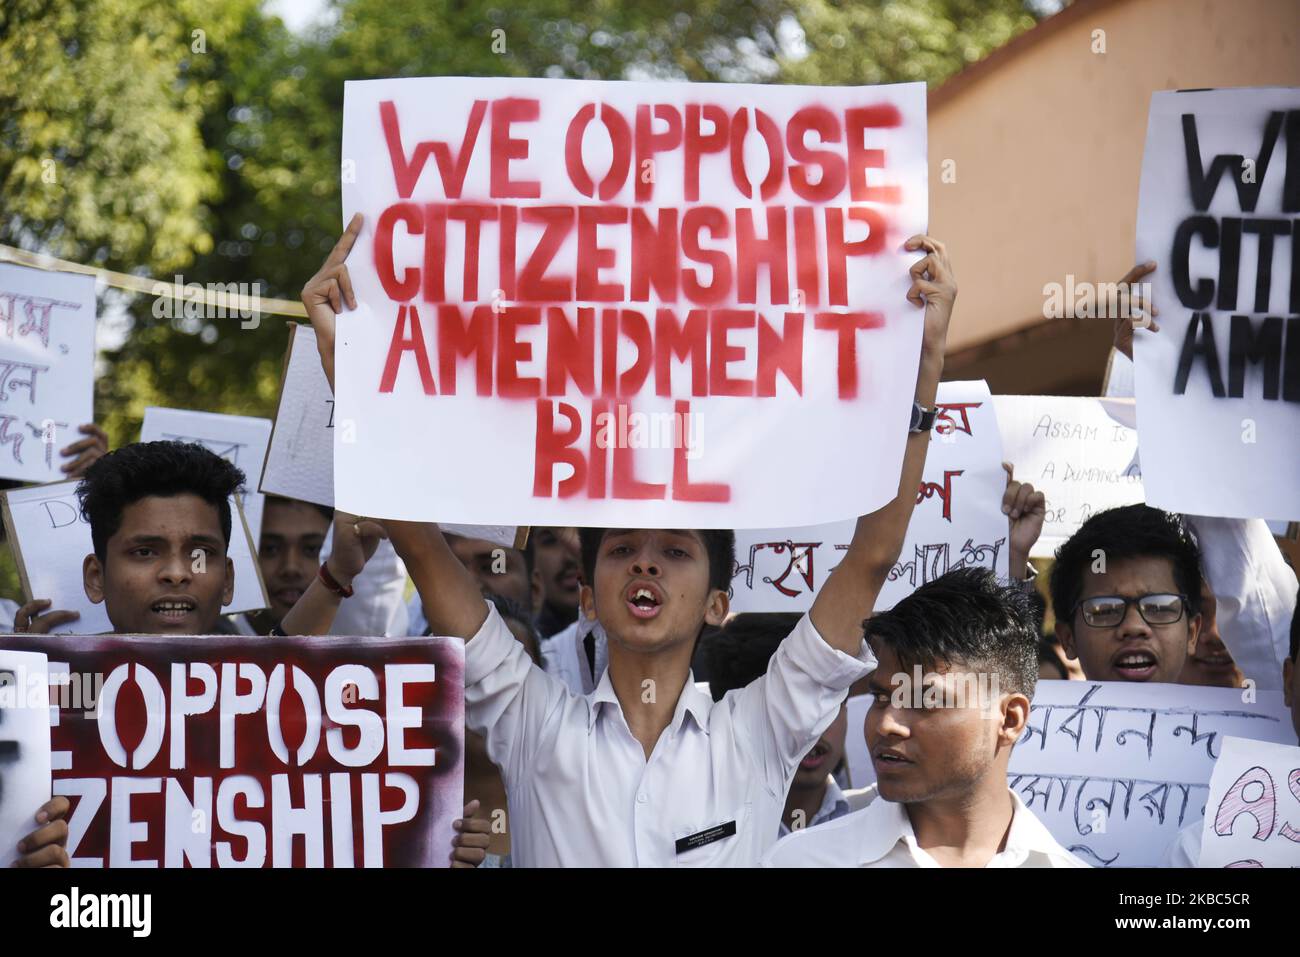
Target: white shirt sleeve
[[1254, 590], [507, 698], [785, 710]]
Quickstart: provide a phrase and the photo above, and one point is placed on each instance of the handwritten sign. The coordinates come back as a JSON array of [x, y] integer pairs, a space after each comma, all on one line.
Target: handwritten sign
[[24, 747], [1219, 385], [958, 519], [300, 460], [1080, 452], [239, 439], [624, 303], [47, 352], [1254, 807], [50, 540], [1116, 769], [256, 752]]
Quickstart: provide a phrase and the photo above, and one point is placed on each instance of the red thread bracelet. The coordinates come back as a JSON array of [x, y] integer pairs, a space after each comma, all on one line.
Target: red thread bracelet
[[343, 591]]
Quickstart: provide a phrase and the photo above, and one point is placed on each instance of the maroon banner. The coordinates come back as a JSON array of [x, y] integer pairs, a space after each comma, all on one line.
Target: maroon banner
[[230, 751]]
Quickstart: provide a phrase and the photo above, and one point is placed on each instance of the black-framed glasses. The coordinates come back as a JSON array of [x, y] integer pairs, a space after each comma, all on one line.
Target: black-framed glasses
[[1107, 611]]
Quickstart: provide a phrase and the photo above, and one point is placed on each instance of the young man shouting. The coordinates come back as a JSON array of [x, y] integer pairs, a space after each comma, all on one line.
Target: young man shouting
[[950, 697], [647, 770], [1126, 588]]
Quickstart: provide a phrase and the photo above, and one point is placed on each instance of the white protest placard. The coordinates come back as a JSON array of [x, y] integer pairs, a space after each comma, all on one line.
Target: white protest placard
[[1116, 769], [1080, 452], [300, 459], [958, 520], [239, 439], [47, 355], [24, 747], [50, 541], [625, 303], [1218, 387], [1253, 814]]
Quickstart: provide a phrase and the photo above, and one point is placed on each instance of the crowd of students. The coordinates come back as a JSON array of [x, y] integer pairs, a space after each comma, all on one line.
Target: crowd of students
[[586, 651]]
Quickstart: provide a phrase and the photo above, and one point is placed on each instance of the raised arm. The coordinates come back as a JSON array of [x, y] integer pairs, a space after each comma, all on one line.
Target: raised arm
[[451, 598], [849, 594], [355, 542]]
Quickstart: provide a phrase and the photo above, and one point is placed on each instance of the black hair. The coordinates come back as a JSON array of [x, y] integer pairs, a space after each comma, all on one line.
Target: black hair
[[719, 545], [325, 510], [740, 651], [511, 610], [1047, 656], [963, 619], [1131, 531], [141, 469]]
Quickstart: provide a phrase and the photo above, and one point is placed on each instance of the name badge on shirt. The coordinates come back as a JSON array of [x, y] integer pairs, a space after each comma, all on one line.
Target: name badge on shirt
[[706, 836]]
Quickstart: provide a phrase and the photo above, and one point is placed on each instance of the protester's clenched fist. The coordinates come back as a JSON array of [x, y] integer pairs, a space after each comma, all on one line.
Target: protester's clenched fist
[[327, 292], [1026, 509], [473, 834], [47, 845], [935, 287], [355, 541], [87, 450], [33, 619], [1124, 323]]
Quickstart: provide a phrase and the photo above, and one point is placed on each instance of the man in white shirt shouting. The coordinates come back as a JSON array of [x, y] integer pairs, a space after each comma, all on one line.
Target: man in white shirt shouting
[[647, 770], [950, 697]]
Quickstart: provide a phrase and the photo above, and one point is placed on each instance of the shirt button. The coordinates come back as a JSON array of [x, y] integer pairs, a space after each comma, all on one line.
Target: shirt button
[[641, 798]]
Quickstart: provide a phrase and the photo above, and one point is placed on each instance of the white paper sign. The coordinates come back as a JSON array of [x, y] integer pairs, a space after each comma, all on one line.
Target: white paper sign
[[47, 354], [239, 439], [300, 460], [24, 747], [1253, 817], [1080, 452], [50, 541], [958, 519], [1116, 769], [604, 304], [1218, 387]]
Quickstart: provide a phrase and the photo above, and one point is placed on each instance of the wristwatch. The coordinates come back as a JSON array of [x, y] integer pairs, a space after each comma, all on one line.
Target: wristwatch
[[922, 419]]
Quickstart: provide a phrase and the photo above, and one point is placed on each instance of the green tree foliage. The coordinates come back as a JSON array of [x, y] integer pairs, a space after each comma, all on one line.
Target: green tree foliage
[[222, 165]]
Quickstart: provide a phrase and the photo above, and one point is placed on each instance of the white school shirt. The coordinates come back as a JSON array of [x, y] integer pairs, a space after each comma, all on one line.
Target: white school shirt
[[834, 805], [881, 835], [580, 790], [8, 611], [565, 656]]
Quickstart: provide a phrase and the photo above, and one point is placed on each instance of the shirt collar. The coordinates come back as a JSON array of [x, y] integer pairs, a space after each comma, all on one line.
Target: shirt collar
[[691, 701], [1028, 835], [885, 823], [834, 804]]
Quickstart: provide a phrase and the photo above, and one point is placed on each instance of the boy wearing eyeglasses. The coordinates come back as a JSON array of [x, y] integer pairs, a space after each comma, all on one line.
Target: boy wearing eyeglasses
[[1126, 589]]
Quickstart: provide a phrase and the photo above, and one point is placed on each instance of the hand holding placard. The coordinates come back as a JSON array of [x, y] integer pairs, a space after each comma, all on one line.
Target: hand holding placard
[[326, 293]]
